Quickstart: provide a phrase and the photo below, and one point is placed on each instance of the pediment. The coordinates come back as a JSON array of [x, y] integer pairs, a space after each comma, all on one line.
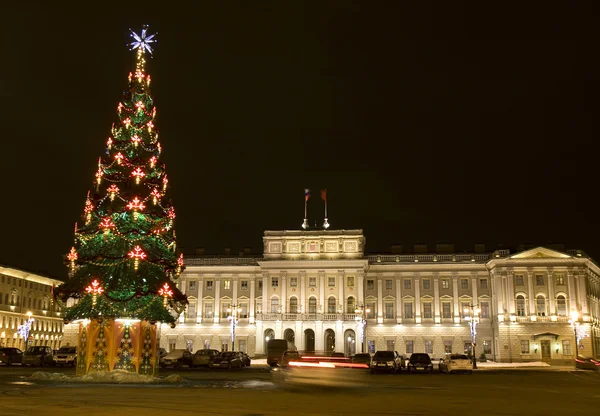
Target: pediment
[[540, 252]]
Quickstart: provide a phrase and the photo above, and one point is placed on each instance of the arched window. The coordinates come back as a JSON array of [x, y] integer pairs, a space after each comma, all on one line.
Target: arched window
[[350, 305], [293, 305], [540, 305], [521, 306], [312, 305], [274, 305], [561, 305], [331, 305]]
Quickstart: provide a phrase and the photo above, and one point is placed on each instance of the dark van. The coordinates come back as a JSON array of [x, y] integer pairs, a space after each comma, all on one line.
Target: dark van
[[275, 350]]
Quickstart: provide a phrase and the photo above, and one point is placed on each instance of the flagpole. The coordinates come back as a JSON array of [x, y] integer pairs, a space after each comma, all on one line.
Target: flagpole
[[306, 196], [324, 197]]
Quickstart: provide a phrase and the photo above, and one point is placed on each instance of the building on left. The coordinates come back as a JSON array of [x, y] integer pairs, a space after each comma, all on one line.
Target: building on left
[[25, 295]]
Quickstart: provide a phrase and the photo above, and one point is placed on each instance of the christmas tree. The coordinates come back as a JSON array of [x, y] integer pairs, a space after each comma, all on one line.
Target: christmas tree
[[124, 261]]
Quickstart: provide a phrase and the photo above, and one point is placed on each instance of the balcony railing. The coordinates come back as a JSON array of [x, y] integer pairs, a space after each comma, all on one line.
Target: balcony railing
[[428, 258]]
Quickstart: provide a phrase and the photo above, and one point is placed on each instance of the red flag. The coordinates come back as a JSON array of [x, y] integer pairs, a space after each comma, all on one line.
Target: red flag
[[324, 194]]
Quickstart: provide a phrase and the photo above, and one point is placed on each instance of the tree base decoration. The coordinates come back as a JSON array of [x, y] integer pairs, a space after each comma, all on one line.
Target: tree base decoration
[[117, 344]]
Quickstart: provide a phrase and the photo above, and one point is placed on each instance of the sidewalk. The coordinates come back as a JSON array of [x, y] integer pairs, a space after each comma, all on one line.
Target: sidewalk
[[536, 365]]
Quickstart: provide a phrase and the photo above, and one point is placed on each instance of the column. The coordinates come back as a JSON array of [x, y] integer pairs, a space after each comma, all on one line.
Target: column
[[580, 281], [551, 296], [436, 298], [417, 283], [474, 288], [341, 285], [531, 294], [398, 300], [303, 291], [510, 294], [321, 302], [200, 312], [234, 282], [572, 292], [379, 300], [455, 297], [283, 276], [265, 293], [319, 336], [217, 311], [360, 284], [299, 336], [339, 337], [252, 299], [260, 338]]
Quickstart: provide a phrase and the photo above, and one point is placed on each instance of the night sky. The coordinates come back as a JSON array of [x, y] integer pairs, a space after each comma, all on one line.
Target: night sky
[[460, 123]]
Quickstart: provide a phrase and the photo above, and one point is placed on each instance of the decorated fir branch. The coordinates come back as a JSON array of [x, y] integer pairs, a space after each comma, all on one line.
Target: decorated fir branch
[[125, 241]]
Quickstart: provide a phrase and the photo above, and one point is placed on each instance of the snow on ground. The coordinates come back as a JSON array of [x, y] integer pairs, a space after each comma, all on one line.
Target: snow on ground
[[108, 377], [259, 361], [492, 364]]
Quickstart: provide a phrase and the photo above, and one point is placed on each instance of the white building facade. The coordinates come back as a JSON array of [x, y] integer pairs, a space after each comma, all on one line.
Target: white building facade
[[25, 295], [320, 291]]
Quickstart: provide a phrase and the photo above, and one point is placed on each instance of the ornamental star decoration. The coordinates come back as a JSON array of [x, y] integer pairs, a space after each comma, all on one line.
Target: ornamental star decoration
[[142, 40]]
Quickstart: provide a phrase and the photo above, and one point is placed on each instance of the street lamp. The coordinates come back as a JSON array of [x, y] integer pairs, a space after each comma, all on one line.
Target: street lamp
[[361, 315], [473, 318], [233, 318], [574, 321]]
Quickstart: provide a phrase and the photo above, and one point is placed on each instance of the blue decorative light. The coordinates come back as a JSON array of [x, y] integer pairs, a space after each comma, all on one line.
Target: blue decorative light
[[143, 40]]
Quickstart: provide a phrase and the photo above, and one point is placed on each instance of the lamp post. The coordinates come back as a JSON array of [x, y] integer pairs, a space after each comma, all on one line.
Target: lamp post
[[361, 316], [473, 318], [25, 328], [233, 311], [574, 321]]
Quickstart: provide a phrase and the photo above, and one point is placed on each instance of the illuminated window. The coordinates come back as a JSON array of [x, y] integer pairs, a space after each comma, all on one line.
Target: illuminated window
[[312, 282], [464, 283], [485, 309], [519, 281], [540, 305], [560, 280], [274, 305], [370, 284], [331, 281], [293, 281], [448, 347], [389, 310], [407, 284], [227, 284], [524, 346], [388, 284], [244, 285], [566, 344], [192, 285], [275, 282], [293, 305], [427, 310], [446, 310], [445, 283], [521, 306], [408, 310], [209, 285], [331, 305], [429, 347], [561, 305], [409, 347]]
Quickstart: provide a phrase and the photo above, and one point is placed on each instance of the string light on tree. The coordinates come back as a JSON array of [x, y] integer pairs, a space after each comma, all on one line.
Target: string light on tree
[[72, 257], [137, 254], [119, 157], [136, 205], [152, 161], [166, 293], [109, 143], [155, 195], [180, 263], [95, 289], [113, 190], [138, 174]]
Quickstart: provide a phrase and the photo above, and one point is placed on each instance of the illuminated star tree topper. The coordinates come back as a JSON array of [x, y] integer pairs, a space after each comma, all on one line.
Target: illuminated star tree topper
[[142, 41]]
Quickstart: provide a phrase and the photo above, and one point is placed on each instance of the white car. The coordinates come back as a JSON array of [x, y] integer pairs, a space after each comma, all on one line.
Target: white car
[[456, 362]]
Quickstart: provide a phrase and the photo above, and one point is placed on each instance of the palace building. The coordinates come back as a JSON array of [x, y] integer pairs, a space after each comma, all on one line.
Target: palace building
[[320, 291], [25, 296]]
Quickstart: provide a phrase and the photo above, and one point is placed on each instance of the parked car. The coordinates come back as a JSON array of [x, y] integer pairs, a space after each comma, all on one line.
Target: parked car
[[177, 358], [338, 354], [9, 355], [38, 356], [586, 363], [289, 356], [66, 356], [362, 359], [162, 352], [455, 362], [203, 358], [420, 361], [245, 359], [386, 361], [227, 359]]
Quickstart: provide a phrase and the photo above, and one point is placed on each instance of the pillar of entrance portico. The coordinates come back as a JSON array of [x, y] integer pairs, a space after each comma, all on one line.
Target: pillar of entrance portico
[[319, 336], [260, 339], [339, 337], [299, 336]]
